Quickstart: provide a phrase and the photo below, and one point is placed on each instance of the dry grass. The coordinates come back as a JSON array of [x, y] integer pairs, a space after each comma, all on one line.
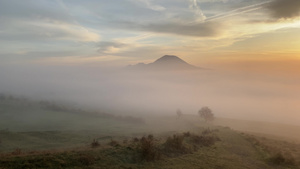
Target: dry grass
[[176, 151], [276, 152], [114, 143]]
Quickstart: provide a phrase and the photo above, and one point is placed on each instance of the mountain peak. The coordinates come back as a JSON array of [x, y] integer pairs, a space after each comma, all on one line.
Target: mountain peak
[[169, 59], [166, 63]]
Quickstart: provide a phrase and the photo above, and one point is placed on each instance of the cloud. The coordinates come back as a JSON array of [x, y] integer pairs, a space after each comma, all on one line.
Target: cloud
[[198, 12], [145, 52], [36, 32], [174, 17], [40, 54], [149, 5], [35, 10], [284, 9], [206, 29], [36, 21], [239, 11], [129, 50], [106, 47], [203, 29]]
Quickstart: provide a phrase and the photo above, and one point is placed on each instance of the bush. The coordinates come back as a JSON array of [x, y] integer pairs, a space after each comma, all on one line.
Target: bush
[[147, 149], [175, 144], [207, 132], [280, 159], [17, 151], [125, 141], [86, 159], [135, 140], [187, 134], [95, 143], [113, 143], [205, 140]]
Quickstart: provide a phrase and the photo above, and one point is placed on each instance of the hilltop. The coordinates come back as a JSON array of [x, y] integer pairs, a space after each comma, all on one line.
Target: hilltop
[[165, 63]]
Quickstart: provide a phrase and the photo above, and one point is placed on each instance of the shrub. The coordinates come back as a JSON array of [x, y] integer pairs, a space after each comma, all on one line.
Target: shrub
[[207, 132], [175, 144], [17, 151], [187, 134], [280, 159], [205, 140], [95, 143], [125, 141], [113, 143], [135, 140], [147, 149], [86, 159]]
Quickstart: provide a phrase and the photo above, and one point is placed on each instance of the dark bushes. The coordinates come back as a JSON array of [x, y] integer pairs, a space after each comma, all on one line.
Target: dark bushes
[[175, 144], [17, 151], [187, 142], [272, 153], [187, 134], [280, 159], [204, 140], [95, 143], [147, 149], [113, 143], [86, 159]]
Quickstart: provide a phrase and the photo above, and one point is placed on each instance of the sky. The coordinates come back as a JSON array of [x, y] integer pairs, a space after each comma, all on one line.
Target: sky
[[110, 33], [62, 49]]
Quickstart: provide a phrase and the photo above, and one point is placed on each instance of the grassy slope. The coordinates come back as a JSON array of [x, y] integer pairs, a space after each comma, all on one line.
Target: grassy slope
[[285, 131], [71, 138], [16, 115], [233, 151]]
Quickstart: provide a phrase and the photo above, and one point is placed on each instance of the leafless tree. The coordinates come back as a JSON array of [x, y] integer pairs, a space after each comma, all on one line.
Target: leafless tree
[[179, 113]]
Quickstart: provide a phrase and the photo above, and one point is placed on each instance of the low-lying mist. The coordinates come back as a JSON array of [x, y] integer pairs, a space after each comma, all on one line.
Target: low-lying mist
[[135, 92]]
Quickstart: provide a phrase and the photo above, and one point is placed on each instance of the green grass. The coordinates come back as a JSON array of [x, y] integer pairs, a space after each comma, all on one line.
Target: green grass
[[276, 152], [18, 115], [233, 151], [34, 137]]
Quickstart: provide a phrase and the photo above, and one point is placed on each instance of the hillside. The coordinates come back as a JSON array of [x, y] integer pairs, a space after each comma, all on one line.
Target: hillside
[[89, 141], [165, 63], [21, 115], [216, 147], [276, 130]]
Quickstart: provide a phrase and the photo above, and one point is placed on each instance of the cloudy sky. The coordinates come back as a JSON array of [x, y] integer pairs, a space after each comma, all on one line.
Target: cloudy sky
[[57, 49], [215, 33]]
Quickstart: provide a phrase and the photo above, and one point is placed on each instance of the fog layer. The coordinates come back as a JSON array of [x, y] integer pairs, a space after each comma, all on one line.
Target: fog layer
[[233, 95]]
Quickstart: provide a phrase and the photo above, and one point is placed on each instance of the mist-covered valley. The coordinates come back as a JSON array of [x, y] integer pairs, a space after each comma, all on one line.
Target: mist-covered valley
[[133, 90], [139, 84]]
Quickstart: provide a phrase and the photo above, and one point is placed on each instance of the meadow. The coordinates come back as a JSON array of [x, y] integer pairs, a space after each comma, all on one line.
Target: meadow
[[34, 136]]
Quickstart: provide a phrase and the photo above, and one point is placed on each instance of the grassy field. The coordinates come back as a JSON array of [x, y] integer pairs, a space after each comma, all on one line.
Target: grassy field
[[275, 130], [229, 150], [33, 136]]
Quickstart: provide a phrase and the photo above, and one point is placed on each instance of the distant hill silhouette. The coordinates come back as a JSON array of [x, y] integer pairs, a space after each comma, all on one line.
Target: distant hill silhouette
[[167, 63]]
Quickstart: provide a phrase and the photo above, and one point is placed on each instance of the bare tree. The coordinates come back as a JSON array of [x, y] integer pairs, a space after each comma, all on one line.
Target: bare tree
[[179, 113], [206, 114]]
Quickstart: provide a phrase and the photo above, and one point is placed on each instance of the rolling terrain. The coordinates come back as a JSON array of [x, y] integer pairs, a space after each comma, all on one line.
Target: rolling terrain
[[108, 142]]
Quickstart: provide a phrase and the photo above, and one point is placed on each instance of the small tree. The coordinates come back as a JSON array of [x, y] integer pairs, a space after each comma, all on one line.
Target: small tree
[[179, 113], [206, 113]]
